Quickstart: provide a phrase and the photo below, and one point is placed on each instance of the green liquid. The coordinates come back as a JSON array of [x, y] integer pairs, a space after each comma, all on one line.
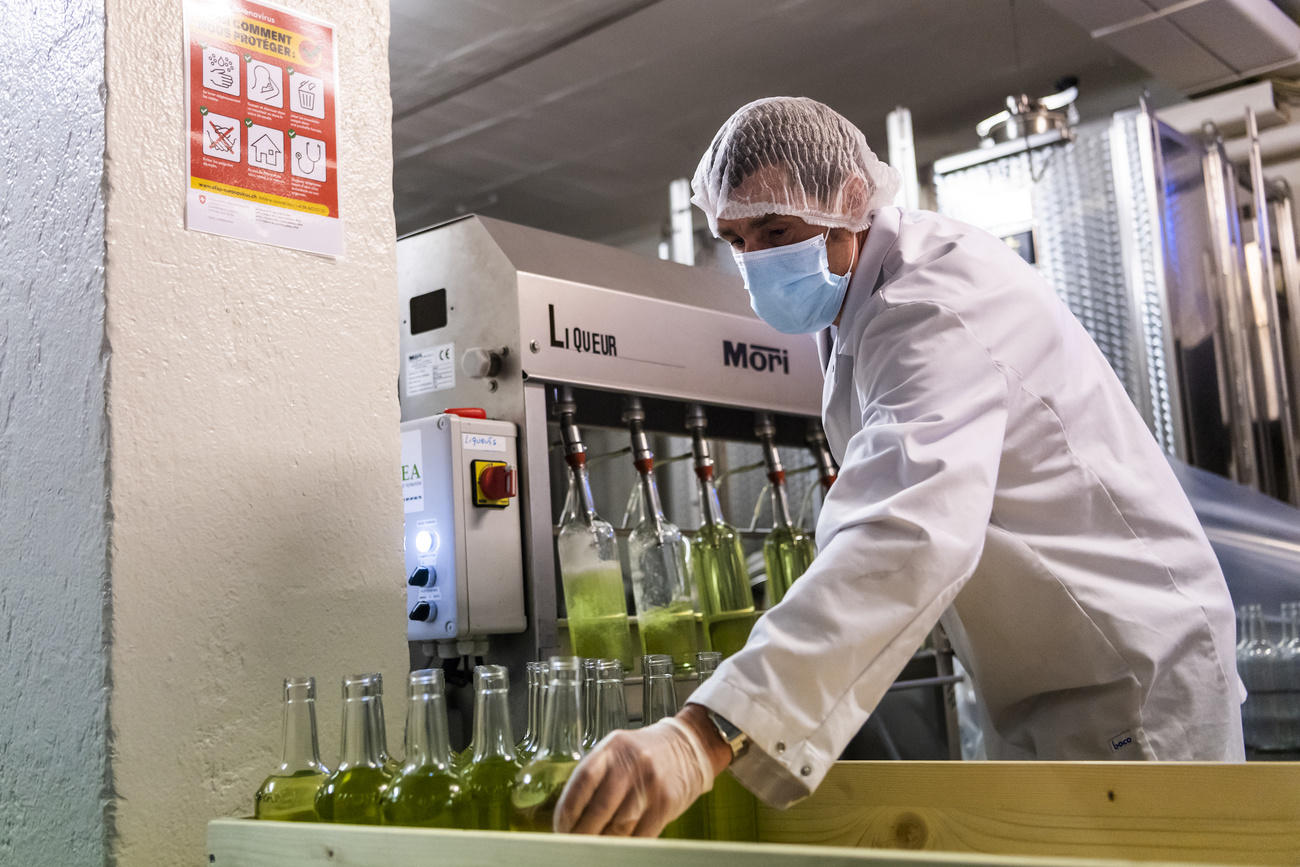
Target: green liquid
[[537, 791], [426, 796], [732, 811], [729, 632], [670, 630], [488, 784], [289, 798], [597, 613], [788, 553], [691, 825], [352, 795]]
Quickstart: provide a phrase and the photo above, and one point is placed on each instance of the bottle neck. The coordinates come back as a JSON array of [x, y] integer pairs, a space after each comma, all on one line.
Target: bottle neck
[[561, 727], [650, 502], [363, 733], [581, 506], [659, 699], [781, 505], [492, 724], [427, 742], [709, 503], [301, 748], [611, 707]]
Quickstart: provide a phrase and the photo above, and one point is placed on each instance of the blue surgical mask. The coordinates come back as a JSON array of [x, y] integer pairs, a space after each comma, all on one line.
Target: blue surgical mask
[[792, 288]]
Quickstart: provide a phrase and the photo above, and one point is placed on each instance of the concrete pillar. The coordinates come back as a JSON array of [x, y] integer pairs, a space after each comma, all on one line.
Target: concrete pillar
[[199, 491]]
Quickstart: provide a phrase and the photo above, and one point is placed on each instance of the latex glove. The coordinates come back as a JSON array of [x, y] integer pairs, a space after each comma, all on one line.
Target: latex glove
[[636, 782]]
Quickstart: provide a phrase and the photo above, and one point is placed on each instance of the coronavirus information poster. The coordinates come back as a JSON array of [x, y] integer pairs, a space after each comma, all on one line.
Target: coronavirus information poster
[[262, 151]]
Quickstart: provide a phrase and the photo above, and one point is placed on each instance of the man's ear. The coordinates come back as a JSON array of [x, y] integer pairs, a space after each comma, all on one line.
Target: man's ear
[[854, 195]]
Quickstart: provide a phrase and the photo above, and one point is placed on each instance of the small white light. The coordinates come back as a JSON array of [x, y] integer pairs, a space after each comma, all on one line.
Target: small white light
[[423, 541]]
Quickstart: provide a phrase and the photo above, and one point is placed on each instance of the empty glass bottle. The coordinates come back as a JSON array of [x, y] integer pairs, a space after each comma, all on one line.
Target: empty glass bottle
[[788, 550], [539, 783], [588, 703], [725, 598], [659, 700], [354, 791], [732, 811], [660, 559], [589, 566], [610, 700], [289, 793], [426, 792], [492, 769], [1263, 714], [527, 746]]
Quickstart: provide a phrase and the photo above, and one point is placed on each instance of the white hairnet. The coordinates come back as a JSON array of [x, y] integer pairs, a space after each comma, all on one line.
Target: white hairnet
[[792, 155]]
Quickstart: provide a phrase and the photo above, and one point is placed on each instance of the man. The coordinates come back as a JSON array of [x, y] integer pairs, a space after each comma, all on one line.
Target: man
[[994, 477]]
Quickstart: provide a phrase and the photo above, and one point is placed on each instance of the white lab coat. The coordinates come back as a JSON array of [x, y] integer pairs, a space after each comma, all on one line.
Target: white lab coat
[[993, 476]]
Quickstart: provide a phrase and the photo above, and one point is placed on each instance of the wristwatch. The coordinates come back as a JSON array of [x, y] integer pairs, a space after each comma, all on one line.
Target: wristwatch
[[735, 738]]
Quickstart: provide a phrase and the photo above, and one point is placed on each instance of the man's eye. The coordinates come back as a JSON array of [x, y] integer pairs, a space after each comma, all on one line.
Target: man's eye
[[776, 233], [738, 243]]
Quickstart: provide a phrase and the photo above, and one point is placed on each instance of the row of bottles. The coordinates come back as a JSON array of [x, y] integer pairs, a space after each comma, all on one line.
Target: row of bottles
[[1271, 672], [672, 579], [502, 785]]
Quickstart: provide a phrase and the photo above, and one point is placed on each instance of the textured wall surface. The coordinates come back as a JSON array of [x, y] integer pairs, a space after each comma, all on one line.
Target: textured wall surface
[[53, 475], [257, 517]]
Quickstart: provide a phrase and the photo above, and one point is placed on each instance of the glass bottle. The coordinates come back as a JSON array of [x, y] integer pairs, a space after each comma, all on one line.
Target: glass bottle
[[539, 783], [732, 811], [590, 571], [1257, 662], [289, 794], [660, 559], [1289, 679], [527, 745], [426, 792], [659, 700], [610, 700], [492, 769], [725, 598], [588, 703], [787, 550], [354, 791]]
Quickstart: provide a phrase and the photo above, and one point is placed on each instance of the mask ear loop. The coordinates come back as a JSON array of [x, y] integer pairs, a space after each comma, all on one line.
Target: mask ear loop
[[849, 273]]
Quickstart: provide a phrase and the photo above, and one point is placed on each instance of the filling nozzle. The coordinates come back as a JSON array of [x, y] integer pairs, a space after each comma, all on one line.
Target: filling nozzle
[[575, 451], [765, 430], [816, 440], [697, 423], [643, 458]]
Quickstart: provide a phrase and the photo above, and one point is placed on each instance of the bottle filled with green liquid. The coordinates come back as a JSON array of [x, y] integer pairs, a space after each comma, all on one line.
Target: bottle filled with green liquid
[[660, 560], [539, 783], [788, 550], [493, 767], [610, 700], [590, 572], [659, 700], [426, 792], [725, 597], [527, 746], [289, 793], [732, 810], [354, 792]]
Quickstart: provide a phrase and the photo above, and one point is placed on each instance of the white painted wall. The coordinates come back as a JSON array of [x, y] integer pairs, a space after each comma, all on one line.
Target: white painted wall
[[53, 476], [254, 440]]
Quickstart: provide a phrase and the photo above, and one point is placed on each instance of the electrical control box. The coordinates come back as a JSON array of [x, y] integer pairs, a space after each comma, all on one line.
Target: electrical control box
[[464, 554]]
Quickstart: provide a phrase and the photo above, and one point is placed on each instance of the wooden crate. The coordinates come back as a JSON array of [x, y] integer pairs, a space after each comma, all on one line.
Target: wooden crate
[[910, 813], [1194, 812]]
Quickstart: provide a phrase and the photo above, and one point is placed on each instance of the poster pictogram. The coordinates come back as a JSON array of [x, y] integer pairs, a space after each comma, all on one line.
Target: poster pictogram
[[261, 103]]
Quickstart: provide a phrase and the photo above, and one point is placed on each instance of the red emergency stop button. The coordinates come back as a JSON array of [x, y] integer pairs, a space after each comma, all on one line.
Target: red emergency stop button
[[495, 482]]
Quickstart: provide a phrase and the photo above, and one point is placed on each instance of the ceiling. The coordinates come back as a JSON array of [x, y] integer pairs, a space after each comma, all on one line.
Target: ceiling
[[574, 115]]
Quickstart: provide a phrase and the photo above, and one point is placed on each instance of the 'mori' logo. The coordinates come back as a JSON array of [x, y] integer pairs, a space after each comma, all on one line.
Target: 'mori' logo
[[754, 357]]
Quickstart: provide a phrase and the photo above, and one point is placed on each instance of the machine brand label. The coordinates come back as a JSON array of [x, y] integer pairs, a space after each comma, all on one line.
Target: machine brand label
[[751, 356], [578, 339], [412, 478]]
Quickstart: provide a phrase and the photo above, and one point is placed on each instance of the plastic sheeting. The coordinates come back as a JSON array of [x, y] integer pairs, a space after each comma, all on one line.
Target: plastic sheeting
[[1256, 538]]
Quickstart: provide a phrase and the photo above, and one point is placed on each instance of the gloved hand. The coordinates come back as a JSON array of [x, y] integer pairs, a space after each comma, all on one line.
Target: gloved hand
[[636, 782]]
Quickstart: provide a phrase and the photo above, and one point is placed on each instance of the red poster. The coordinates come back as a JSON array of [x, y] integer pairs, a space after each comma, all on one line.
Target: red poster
[[261, 107]]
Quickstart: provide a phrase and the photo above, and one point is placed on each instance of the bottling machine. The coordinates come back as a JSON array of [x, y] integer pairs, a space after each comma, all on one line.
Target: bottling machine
[[501, 317]]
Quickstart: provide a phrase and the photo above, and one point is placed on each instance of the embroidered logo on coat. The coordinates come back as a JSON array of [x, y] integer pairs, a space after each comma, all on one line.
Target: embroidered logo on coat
[[1121, 740]]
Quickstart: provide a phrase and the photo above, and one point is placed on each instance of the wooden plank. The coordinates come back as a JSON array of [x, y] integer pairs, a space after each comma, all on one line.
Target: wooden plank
[[1223, 813], [249, 843]]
